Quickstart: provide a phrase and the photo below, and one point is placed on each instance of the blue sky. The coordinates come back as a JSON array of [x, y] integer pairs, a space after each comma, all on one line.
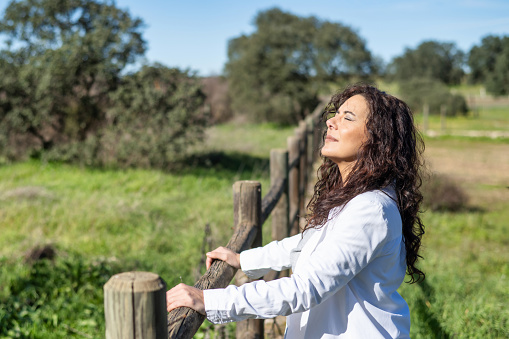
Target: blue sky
[[194, 33]]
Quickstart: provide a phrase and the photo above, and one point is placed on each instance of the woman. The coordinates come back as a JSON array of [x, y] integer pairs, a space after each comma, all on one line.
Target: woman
[[362, 234]]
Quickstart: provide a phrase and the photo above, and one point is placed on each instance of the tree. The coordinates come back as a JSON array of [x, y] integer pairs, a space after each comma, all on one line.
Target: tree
[[489, 64], [431, 59], [62, 59], [274, 73]]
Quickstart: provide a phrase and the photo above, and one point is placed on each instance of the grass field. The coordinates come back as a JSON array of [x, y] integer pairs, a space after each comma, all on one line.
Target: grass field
[[466, 258], [103, 221]]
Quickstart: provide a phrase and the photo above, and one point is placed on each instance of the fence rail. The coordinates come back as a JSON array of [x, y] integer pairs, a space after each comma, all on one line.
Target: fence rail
[[289, 172]]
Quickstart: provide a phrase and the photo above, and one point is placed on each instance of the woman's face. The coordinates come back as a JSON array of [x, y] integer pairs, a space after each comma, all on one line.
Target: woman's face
[[346, 132]]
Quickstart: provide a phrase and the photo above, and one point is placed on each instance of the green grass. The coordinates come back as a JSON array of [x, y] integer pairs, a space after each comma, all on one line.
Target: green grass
[[105, 221], [117, 221], [255, 140], [466, 290]]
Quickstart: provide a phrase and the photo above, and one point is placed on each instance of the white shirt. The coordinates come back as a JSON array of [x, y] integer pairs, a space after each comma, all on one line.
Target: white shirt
[[345, 280]]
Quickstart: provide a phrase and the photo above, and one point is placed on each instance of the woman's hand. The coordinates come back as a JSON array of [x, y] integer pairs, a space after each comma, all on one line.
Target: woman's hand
[[224, 254], [188, 296]]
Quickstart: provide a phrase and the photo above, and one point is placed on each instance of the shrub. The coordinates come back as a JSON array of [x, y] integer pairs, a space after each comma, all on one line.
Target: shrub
[[154, 116], [441, 193], [53, 298]]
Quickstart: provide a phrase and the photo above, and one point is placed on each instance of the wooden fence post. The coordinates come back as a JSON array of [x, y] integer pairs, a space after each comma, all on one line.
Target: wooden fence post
[[135, 306], [317, 135], [279, 171], [293, 183], [303, 171], [280, 213], [247, 205], [310, 123]]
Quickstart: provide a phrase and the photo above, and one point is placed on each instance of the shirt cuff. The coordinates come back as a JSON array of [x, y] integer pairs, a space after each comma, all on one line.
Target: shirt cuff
[[214, 306]]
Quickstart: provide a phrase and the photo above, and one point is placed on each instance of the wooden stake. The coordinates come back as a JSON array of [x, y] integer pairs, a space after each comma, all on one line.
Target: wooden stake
[[135, 306]]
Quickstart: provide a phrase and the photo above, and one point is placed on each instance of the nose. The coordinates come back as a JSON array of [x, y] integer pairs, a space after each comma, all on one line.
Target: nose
[[331, 123]]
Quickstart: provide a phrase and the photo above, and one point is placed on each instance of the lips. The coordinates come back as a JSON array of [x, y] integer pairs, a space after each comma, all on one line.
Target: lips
[[330, 138]]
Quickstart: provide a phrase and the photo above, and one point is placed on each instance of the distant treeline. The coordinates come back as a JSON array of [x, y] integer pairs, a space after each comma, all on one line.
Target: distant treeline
[[66, 95]]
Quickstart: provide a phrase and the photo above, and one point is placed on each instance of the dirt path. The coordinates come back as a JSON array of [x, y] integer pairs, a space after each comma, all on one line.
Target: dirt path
[[482, 168]]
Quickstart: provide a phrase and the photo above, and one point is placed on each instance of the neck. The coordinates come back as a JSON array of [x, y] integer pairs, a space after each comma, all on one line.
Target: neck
[[345, 169]]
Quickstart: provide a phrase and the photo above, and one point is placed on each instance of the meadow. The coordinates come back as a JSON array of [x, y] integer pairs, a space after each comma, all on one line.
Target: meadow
[[93, 223]]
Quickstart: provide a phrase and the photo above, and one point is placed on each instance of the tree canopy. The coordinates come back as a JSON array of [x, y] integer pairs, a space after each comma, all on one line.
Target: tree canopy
[[275, 72], [64, 66], [431, 59], [63, 58], [489, 64]]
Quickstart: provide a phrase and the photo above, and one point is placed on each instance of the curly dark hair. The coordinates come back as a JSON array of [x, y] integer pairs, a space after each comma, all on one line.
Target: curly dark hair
[[392, 155]]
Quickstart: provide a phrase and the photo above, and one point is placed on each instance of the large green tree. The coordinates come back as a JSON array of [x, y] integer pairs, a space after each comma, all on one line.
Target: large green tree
[[431, 59], [489, 64], [275, 73], [60, 61]]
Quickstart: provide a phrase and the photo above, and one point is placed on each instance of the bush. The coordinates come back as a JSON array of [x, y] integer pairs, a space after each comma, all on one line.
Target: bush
[[53, 298], [153, 118], [441, 193]]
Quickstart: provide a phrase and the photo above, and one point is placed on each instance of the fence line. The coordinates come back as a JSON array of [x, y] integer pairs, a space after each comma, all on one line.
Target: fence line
[[289, 174]]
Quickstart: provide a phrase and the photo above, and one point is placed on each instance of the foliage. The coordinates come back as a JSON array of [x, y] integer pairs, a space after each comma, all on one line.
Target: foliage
[[65, 96], [49, 299], [62, 60], [274, 74], [489, 64], [155, 115], [441, 193], [419, 91], [431, 59]]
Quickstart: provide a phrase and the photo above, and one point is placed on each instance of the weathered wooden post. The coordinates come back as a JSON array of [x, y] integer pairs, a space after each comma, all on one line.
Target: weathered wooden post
[[135, 306], [279, 171], [280, 213], [310, 126], [317, 132], [184, 322], [293, 183], [301, 133], [247, 209]]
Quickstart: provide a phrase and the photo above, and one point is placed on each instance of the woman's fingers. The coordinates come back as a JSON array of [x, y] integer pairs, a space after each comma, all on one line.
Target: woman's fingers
[[209, 262], [225, 254], [185, 296]]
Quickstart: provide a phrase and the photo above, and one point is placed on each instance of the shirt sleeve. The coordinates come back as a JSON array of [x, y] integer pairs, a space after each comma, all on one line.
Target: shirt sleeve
[[257, 262], [353, 239]]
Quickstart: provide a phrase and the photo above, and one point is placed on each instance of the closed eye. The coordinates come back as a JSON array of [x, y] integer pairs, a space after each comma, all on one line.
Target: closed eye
[[349, 117]]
